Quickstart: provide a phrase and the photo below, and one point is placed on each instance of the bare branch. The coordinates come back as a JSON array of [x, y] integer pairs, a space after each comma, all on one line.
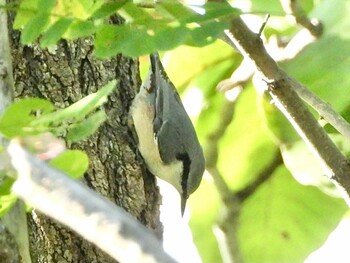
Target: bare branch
[[263, 176], [211, 152], [302, 39], [239, 77], [226, 230], [312, 29], [15, 220], [280, 87], [8, 247], [6, 78], [325, 110], [75, 205], [292, 7]]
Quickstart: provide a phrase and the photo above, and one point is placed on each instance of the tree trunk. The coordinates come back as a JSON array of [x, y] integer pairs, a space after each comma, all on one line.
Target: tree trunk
[[63, 75]]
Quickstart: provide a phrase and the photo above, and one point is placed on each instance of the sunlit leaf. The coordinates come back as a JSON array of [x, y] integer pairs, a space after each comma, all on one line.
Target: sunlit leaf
[[284, 221], [133, 13], [86, 127], [207, 33], [170, 37], [18, 117], [55, 32], [306, 169], [7, 198], [108, 9], [34, 28], [72, 162], [279, 127], [28, 9], [111, 40], [80, 109], [80, 29]]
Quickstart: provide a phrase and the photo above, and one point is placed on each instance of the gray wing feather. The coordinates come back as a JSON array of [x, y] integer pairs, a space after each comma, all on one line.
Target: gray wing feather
[[173, 128]]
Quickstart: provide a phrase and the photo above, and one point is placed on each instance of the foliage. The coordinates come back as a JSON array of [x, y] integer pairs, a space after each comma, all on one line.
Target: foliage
[[164, 27], [288, 216], [34, 120], [283, 220], [32, 116], [7, 198]]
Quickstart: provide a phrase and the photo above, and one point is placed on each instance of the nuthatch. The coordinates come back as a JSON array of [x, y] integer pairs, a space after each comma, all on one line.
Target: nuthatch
[[167, 140]]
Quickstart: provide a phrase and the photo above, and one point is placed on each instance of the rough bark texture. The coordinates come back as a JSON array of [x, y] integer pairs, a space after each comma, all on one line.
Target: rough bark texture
[[8, 247], [63, 75]]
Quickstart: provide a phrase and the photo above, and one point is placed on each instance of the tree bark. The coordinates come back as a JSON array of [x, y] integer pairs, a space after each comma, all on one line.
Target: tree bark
[[63, 75]]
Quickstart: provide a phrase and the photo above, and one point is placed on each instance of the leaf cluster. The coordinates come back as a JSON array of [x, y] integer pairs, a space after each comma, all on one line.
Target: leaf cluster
[[294, 210], [33, 120], [164, 27]]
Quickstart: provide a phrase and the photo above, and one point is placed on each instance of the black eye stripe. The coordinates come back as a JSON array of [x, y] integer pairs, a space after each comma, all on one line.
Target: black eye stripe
[[186, 162]]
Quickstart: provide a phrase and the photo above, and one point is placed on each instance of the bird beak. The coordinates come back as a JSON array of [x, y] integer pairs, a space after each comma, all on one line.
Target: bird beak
[[183, 205]]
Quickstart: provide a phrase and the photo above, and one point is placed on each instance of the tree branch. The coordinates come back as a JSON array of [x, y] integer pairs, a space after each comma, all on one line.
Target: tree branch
[[300, 41], [325, 110], [226, 230], [14, 221], [211, 152], [280, 87], [315, 28], [263, 176], [6, 78], [75, 205], [292, 7]]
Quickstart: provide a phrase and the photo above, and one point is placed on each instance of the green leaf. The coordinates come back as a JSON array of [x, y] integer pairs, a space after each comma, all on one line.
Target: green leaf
[[79, 9], [202, 220], [175, 10], [211, 11], [86, 127], [279, 127], [289, 220], [80, 109], [7, 198], [216, 10], [144, 3], [132, 13], [55, 32], [72, 162], [108, 9], [111, 40], [34, 28], [80, 29], [306, 169], [207, 33], [18, 117], [27, 10], [238, 163], [46, 5], [167, 38], [325, 73], [108, 42], [35, 19]]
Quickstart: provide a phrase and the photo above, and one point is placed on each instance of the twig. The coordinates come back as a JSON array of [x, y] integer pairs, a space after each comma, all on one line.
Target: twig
[[292, 7], [336, 165], [245, 70], [261, 178], [325, 110], [92, 216], [263, 24], [6, 78], [226, 230], [313, 29], [239, 77], [14, 220], [211, 152]]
